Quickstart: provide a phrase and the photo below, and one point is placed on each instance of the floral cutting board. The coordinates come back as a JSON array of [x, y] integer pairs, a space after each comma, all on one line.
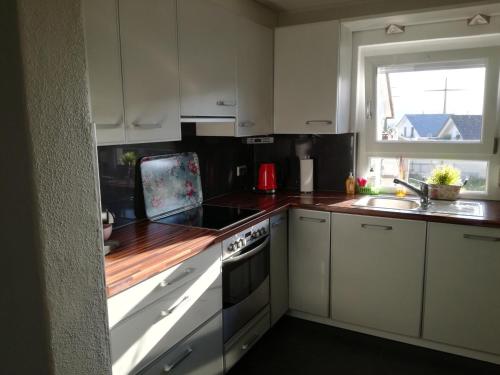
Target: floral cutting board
[[171, 183]]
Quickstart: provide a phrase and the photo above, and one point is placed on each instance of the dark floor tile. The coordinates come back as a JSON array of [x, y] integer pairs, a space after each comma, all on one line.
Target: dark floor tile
[[295, 346]]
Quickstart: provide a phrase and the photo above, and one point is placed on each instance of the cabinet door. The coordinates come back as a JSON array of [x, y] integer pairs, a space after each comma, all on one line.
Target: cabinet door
[[207, 48], [255, 79], [104, 69], [462, 299], [148, 33], [306, 71], [309, 261], [377, 272], [279, 266], [199, 354]]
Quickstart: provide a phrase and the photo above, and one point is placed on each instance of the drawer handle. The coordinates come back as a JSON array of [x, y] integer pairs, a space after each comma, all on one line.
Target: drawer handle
[[186, 272], [165, 313], [374, 226], [247, 124], [178, 360], [277, 223], [481, 238], [225, 103], [312, 219], [147, 126], [250, 342], [319, 122], [106, 126]]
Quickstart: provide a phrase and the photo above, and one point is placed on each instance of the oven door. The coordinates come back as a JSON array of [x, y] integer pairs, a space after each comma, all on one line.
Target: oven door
[[245, 283]]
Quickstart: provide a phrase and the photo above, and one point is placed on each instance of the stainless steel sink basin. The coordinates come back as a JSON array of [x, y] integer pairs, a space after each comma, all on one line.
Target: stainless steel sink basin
[[388, 203], [458, 208]]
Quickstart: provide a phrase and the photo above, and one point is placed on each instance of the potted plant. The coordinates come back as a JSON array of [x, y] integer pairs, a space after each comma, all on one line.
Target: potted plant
[[445, 183]]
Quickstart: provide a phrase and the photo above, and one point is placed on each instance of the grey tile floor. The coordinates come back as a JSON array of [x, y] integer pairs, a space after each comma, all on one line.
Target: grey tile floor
[[295, 346]]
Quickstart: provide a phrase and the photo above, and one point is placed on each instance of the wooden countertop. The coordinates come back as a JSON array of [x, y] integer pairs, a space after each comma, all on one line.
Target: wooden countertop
[[147, 248]]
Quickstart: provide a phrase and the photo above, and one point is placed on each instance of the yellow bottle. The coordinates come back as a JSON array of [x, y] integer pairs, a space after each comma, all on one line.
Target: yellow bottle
[[350, 184]]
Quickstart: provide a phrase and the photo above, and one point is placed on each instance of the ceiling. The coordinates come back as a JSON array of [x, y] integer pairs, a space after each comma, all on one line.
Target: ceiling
[[298, 5]]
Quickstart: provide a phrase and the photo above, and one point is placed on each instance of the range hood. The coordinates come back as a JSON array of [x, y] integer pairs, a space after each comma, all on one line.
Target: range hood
[[213, 126]]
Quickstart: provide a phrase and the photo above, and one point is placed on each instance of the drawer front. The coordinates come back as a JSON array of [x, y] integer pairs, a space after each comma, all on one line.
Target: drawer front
[[144, 336], [246, 338], [199, 354], [141, 295]]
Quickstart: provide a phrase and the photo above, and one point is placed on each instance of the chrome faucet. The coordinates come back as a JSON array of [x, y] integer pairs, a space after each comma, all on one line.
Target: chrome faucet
[[423, 192]]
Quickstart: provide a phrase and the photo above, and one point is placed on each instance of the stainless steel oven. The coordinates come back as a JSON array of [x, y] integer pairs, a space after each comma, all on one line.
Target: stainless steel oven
[[245, 277]]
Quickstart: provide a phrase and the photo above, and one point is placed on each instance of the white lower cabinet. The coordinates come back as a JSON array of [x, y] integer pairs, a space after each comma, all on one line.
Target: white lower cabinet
[[377, 272], [279, 266], [309, 261], [462, 297], [245, 338], [140, 338], [199, 354]]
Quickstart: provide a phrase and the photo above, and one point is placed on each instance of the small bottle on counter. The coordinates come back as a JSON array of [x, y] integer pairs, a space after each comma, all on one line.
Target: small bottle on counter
[[350, 184]]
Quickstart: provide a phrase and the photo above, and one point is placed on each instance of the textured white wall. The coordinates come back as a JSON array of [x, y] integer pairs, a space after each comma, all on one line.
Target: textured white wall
[[65, 196]]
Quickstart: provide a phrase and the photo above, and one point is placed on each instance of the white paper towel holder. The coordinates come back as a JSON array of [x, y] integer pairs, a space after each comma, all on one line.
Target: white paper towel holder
[[306, 176]]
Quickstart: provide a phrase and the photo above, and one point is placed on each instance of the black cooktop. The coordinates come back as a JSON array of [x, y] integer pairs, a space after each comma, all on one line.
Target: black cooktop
[[208, 216]]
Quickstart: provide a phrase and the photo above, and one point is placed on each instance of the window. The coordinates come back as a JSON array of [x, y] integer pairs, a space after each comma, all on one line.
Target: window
[[414, 170], [440, 102]]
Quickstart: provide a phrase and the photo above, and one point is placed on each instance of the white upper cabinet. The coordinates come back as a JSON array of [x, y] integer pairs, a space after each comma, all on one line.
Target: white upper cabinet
[[309, 82], [462, 299], [104, 69], [148, 33], [207, 55], [255, 78]]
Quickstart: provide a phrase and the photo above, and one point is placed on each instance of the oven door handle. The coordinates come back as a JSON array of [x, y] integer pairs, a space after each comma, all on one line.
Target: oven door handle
[[247, 254]]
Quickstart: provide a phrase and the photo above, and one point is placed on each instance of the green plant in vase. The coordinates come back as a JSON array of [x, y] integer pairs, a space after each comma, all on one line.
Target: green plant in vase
[[445, 183]]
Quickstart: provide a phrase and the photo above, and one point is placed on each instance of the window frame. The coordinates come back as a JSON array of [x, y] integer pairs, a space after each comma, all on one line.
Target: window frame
[[490, 56]]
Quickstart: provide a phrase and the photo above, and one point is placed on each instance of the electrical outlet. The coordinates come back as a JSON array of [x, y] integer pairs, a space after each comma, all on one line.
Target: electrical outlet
[[241, 170]]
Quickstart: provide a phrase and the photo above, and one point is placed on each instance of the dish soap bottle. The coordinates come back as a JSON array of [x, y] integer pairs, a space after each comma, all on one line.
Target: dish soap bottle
[[372, 182], [350, 184]]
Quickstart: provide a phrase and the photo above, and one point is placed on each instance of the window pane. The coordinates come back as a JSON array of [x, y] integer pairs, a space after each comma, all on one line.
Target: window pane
[[414, 170], [428, 105]]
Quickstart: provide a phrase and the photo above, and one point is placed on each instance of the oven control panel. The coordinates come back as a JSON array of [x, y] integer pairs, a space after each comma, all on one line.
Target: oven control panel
[[244, 238]]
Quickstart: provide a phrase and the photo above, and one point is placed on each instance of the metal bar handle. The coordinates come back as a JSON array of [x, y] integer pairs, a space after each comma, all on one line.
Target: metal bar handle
[[247, 254], [107, 126], [312, 219], [147, 126], [164, 313], [319, 122], [186, 272], [374, 226], [178, 360], [277, 223], [247, 124], [226, 103], [481, 238], [250, 342]]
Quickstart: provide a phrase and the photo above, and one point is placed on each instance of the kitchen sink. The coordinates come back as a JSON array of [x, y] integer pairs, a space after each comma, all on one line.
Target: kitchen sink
[[451, 208], [388, 203]]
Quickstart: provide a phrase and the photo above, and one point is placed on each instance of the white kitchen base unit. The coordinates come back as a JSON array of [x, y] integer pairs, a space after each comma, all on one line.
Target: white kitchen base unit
[[309, 261], [279, 266], [243, 340], [400, 338], [462, 296], [198, 354], [152, 317], [378, 272]]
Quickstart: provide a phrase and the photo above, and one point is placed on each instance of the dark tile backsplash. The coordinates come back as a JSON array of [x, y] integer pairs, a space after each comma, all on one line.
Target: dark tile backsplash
[[333, 158]]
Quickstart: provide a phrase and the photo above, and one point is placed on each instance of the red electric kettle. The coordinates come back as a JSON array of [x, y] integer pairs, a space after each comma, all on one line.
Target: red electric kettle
[[267, 178]]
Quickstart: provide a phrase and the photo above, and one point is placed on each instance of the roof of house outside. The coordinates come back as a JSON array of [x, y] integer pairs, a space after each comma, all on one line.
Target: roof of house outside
[[469, 126], [428, 125]]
